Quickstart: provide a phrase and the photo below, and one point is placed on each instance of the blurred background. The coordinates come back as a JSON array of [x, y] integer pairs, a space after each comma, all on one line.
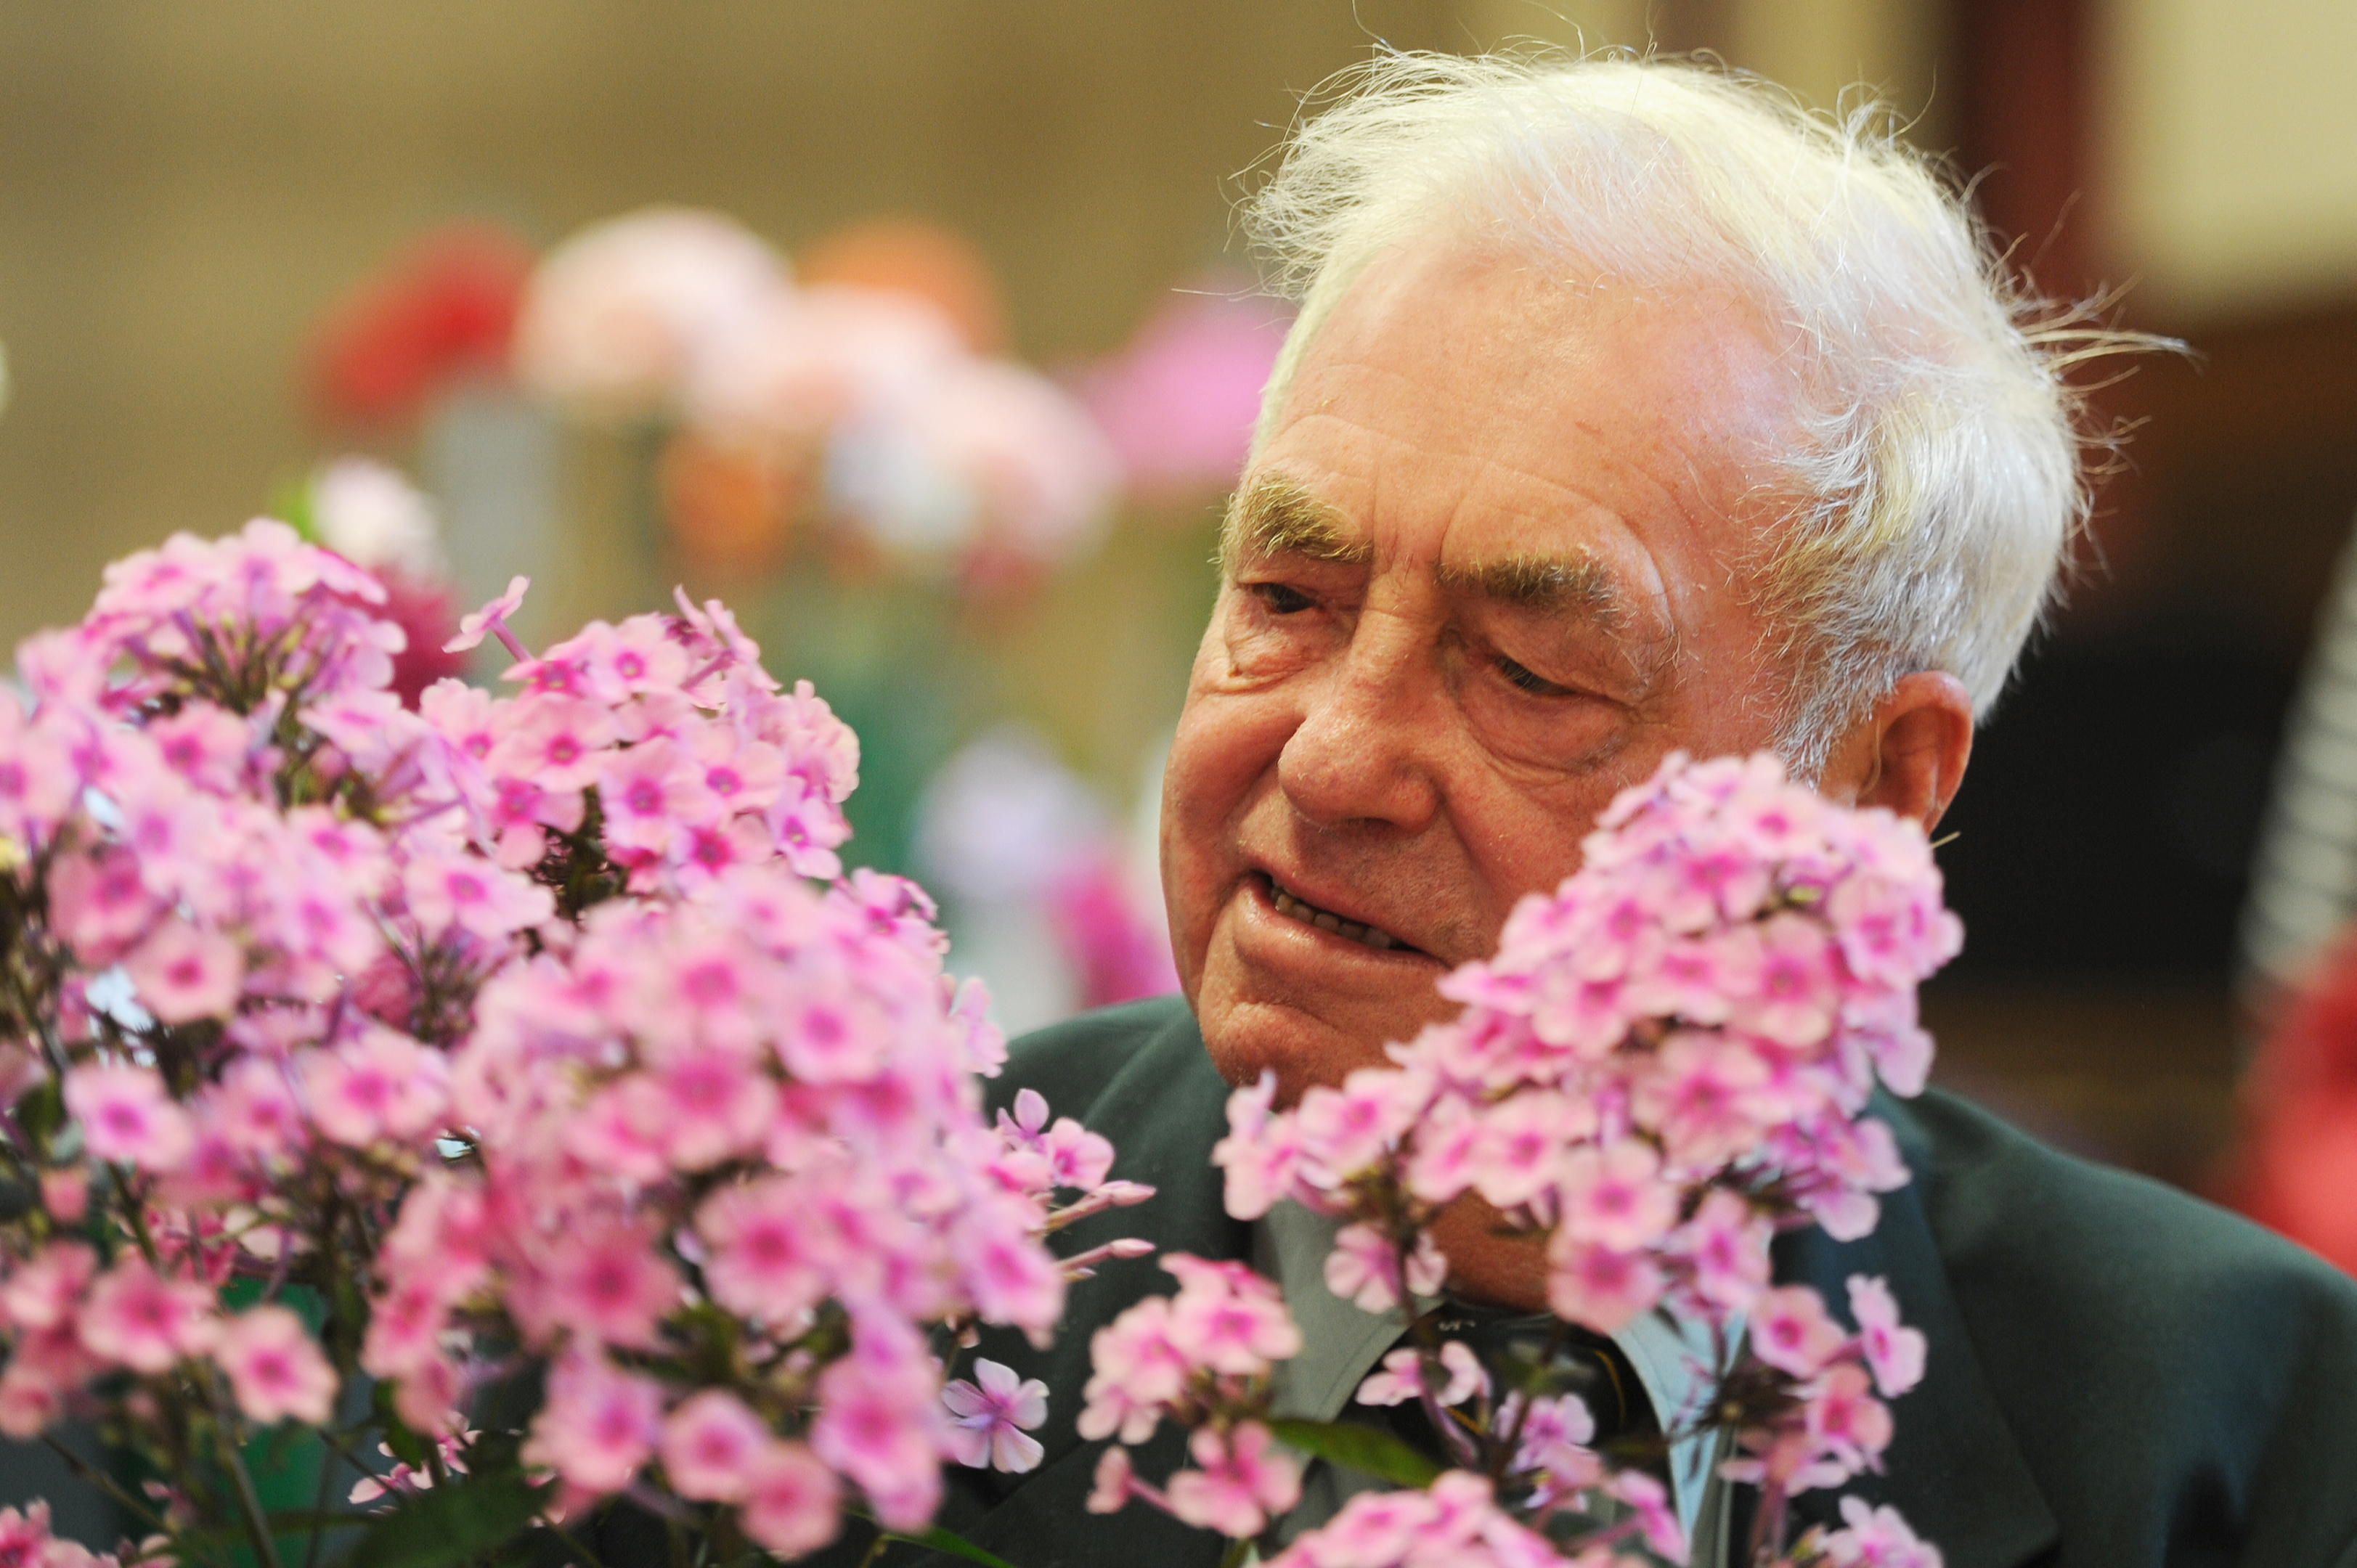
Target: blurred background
[[243, 240]]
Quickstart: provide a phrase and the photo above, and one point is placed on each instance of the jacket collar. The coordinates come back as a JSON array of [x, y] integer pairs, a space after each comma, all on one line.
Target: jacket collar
[[1952, 1467]]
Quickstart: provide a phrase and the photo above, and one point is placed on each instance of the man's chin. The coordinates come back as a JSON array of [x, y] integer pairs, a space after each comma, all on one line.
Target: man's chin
[[1246, 1038]]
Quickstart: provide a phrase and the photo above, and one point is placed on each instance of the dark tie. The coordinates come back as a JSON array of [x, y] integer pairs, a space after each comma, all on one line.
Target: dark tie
[[1600, 1374]]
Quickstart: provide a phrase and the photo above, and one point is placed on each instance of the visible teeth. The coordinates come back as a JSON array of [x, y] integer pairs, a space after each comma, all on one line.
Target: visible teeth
[[1326, 921]]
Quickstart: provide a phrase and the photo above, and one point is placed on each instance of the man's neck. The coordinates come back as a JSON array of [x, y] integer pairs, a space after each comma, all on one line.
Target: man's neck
[[1487, 1263]]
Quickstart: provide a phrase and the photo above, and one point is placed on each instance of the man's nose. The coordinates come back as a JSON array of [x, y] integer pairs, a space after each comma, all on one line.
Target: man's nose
[[1370, 734]]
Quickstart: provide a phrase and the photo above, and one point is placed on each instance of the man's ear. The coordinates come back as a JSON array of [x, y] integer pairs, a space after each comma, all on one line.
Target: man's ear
[[1908, 753]]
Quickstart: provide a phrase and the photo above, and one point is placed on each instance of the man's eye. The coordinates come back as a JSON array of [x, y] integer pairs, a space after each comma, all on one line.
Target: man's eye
[[1279, 600], [1529, 680]]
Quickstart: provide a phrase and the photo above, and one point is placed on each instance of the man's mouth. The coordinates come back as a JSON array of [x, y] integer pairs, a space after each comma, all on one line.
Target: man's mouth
[[1327, 920]]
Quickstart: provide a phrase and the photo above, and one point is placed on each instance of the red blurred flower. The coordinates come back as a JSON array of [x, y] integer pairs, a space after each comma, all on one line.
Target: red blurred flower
[[444, 309], [2296, 1171]]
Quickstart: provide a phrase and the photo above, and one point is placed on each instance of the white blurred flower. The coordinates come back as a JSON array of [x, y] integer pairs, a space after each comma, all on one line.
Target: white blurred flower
[[819, 359], [1002, 820], [619, 319], [371, 514], [1042, 475]]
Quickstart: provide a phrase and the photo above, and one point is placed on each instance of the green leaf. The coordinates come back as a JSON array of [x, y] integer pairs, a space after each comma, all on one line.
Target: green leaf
[[449, 1524], [956, 1545], [1367, 1449]]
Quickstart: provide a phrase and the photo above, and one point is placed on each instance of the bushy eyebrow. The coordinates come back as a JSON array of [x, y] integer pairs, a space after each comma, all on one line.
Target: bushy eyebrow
[[1278, 517], [1577, 582]]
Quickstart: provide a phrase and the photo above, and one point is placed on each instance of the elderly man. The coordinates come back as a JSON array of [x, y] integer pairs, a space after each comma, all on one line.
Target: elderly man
[[1631, 410]]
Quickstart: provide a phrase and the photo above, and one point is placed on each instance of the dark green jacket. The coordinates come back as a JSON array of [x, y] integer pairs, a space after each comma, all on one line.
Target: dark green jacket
[[2119, 1375]]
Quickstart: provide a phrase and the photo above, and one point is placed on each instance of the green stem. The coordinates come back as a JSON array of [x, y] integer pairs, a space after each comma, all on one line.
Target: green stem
[[249, 1503], [84, 1469], [1238, 1549]]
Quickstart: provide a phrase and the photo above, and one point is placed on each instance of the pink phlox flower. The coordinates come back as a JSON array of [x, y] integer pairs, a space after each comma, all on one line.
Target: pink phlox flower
[[1239, 1482], [558, 742], [41, 1292], [881, 1424], [446, 890], [1848, 1425], [1444, 1157], [701, 1107], [274, 1369], [1695, 977], [1896, 1353], [729, 645], [650, 792], [1776, 821], [1796, 996], [38, 779], [1586, 1017], [100, 903], [1877, 1538], [492, 618], [1114, 1479], [1135, 1371], [137, 1318], [894, 908], [1010, 1276], [406, 1323], [1349, 1130], [127, 1115], [1227, 1317], [351, 851], [1373, 1530], [382, 1085], [1705, 1093], [1522, 1142], [26, 1542], [1616, 1195], [703, 852], [252, 1108], [45, 1367], [983, 1043], [597, 1426], [206, 744], [820, 749], [1364, 1268], [1791, 1331], [712, 1445], [1555, 1435], [1403, 1376], [1702, 885], [807, 828], [1077, 1157], [1596, 1286], [793, 1503], [742, 774], [1725, 1249], [1260, 1152], [183, 973], [770, 1256], [1650, 1501], [607, 1284], [833, 1035], [988, 1418]]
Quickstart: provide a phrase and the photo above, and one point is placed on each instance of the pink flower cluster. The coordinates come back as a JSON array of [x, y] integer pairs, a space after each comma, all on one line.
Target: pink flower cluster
[[1201, 1357], [759, 1100], [1707, 1003], [543, 1030], [1667, 1059]]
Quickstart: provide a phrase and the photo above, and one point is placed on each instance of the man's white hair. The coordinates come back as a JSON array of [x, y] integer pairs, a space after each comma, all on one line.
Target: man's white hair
[[1938, 478]]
